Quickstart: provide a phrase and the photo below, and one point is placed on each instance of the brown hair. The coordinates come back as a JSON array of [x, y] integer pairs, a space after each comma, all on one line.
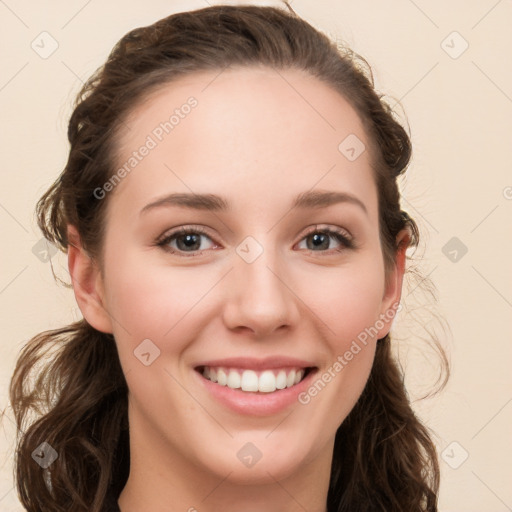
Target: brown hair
[[384, 457]]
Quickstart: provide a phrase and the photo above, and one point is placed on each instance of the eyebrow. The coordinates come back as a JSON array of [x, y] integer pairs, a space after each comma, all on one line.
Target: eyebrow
[[212, 202]]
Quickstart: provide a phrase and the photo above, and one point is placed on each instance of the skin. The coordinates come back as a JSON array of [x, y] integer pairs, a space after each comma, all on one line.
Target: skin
[[258, 138]]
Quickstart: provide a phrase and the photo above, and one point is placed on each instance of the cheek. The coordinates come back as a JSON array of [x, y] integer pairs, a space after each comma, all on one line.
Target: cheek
[[347, 301], [160, 304], [155, 302]]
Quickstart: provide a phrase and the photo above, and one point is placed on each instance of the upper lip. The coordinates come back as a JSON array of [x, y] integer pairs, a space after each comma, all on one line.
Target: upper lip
[[249, 363]]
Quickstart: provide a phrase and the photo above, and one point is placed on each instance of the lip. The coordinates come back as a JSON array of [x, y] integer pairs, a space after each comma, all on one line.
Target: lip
[[256, 403], [249, 363]]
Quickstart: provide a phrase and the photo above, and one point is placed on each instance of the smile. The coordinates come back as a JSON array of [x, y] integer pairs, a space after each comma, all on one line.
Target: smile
[[266, 381]]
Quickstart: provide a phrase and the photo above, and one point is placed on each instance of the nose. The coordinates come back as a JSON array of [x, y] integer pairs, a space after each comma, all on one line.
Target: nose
[[259, 296]]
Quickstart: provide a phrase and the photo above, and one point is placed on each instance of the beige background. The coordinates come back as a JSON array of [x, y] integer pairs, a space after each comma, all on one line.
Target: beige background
[[459, 107]]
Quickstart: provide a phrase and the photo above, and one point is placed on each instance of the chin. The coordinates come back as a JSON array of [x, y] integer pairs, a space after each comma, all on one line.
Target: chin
[[249, 465]]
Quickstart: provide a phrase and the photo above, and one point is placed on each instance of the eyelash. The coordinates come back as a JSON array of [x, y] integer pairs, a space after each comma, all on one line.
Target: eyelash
[[338, 234]]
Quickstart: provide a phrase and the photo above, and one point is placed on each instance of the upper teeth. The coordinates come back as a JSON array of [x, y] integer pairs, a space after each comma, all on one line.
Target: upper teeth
[[249, 380]]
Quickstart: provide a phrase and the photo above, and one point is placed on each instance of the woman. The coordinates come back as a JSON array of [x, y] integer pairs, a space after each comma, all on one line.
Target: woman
[[235, 242]]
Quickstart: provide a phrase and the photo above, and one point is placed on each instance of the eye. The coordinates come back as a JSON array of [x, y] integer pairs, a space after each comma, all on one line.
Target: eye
[[184, 240], [187, 241], [320, 239]]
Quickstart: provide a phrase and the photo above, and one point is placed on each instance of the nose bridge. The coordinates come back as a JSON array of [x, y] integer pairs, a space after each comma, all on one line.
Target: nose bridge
[[258, 296]]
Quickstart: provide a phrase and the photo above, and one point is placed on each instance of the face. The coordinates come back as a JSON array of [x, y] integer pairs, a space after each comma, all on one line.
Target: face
[[263, 283]]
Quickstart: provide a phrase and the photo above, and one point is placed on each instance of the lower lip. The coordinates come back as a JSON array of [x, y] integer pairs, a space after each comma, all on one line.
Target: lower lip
[[256, 403]]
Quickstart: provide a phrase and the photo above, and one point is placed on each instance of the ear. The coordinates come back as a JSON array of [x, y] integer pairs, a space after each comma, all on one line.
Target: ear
[[87, 284], [393, 289]]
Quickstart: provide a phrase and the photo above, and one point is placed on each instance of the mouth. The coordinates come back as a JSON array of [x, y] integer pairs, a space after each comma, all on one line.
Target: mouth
[[252, 381]]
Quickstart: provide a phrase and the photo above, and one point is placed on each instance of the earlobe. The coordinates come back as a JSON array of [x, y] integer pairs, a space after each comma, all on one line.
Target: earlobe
[[87, 284]]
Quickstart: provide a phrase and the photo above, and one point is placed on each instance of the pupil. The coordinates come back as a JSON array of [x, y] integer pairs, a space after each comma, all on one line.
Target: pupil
[[318, 238], [190, 240]]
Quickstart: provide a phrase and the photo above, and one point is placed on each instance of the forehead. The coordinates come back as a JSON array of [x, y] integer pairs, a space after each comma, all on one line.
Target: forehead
[[253, 130]]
